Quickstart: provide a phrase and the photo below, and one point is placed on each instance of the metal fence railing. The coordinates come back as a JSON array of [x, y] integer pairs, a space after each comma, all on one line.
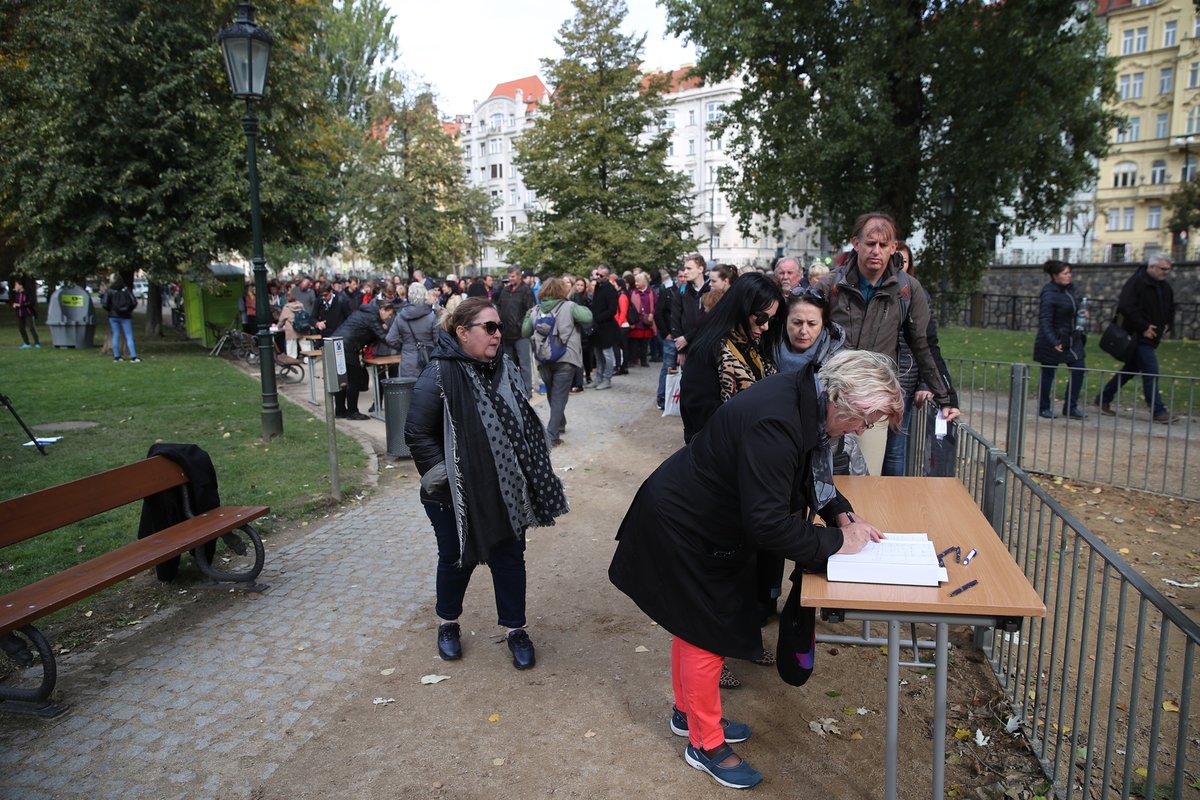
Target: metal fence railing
[[1128, 450], [1103, 686]]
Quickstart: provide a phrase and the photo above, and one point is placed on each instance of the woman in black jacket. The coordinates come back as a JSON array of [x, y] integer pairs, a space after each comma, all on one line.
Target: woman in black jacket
[[1059, 340], [749, 482], [485, 471], [366, 325]]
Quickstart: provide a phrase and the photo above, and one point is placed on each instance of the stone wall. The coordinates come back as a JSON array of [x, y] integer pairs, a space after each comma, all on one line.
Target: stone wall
[[1101, 282]]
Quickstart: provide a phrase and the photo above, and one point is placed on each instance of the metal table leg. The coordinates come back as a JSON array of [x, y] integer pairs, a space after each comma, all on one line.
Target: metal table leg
[[939, 711], [378, 412], [893, 710], [312, 380]]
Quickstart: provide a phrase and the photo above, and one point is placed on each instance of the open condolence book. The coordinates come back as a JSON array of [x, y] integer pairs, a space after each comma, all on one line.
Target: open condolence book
[[905, 559]]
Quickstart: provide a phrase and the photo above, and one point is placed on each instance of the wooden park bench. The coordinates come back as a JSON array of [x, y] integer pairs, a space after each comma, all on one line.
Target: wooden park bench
[[235, 555]]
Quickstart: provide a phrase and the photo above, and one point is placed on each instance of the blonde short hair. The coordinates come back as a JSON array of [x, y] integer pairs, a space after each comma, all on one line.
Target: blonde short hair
[[861, 384], [817, 270]]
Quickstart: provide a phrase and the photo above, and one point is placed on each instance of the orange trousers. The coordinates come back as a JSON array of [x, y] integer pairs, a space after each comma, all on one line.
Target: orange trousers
[[696, 677]]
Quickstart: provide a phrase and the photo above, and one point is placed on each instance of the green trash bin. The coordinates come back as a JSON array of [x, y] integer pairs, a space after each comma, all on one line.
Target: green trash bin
[[397, 397]]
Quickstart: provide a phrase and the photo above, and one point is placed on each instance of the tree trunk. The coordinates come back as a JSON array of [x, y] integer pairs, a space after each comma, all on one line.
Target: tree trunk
[[154, 319]]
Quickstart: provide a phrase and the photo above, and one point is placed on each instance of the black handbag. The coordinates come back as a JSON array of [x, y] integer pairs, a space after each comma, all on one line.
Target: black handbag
[[1118, 342]]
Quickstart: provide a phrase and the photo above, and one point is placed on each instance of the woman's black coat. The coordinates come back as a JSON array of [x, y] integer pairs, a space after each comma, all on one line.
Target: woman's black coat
[[1056, 325], [685, 551], [607, 332]]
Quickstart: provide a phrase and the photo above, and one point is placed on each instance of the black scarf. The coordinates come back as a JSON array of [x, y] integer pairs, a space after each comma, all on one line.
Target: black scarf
[[510, 485]]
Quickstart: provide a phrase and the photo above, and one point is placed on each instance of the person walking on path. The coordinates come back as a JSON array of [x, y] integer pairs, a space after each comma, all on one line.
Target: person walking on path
[[1060, 340], [1147, 309], [485, 472], [119, 302], [558, 374], [748, 483], [606, 333], [25, 304], [516, 298]]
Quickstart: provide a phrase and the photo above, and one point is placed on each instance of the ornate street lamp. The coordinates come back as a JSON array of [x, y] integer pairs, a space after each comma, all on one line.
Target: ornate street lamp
[[247, 50]]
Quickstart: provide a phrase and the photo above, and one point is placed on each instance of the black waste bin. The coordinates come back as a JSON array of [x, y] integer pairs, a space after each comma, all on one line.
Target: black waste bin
[[397, 397]]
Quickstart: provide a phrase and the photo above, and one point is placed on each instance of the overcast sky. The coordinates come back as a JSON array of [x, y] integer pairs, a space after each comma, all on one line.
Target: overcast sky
[[463, 48]]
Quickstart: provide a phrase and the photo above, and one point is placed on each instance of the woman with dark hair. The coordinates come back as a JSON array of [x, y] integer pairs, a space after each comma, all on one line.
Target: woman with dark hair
[[485, 471], [1059, 341], [728, 354], [449, 295], [722, 276]]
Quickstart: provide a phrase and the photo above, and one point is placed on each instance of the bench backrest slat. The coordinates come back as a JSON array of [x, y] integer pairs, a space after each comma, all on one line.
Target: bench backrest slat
[[37, 512]]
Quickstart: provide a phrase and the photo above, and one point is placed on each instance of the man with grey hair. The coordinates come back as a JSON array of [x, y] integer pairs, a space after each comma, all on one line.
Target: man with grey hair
[[787, 272], [1147, 309]]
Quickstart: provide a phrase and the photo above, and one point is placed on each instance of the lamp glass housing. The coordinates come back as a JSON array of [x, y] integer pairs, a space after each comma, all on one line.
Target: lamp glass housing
[[247, 51]]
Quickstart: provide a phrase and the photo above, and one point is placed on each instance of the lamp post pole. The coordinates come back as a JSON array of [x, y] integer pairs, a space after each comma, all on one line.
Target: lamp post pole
[[247, 51], [272, 415]]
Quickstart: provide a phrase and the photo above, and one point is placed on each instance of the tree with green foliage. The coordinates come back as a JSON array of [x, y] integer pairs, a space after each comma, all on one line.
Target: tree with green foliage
[[959, 117], [595, 159], [415, 209], [123, 148]]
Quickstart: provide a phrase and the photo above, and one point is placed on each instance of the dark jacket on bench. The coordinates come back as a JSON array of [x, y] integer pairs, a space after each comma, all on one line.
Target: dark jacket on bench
[[165, 509]]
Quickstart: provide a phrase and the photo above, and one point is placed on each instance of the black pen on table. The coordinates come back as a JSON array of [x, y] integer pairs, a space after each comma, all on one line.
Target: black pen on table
[[963, 588]]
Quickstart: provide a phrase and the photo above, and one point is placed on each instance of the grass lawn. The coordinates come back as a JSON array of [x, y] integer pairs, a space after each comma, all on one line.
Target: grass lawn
[[178, 394], [1175, 356]]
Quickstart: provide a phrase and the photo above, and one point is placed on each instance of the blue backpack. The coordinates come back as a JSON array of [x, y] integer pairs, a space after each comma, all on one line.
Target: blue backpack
[[548, 344]]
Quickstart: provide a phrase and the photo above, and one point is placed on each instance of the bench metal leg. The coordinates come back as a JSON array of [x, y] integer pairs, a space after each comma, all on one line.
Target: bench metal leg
[[236, 556], [20, 646]]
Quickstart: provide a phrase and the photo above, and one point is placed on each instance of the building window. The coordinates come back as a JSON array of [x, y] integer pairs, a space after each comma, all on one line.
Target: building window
[[483, 148], [1169, 30], [483, 173], [1196, 29], [513, 220], [1127, 42], [670, 148], [495, 121], [1124, 174], [1193, 120], [530, 196], [495, 146], [1194, 74], [1189, 169], [692, 117], [1127, 219], [1114, 219], [1136, 85], [512, 120], [1123, 87], [1153, 217], [1160, 126], [712, 174], [691, 147], [1166, 80], [512, 197], [669, 122], [1141, 38], [714, 111], [713, 144], [497, 170], [1130, 130], [466, 151], [1158, 171]]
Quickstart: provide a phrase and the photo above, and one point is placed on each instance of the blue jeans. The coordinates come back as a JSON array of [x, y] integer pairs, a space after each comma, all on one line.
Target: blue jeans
[[670, 360], [1145, 361], [896, 451], [1046, 389], [606, 362], [506, 561], [122, 326]]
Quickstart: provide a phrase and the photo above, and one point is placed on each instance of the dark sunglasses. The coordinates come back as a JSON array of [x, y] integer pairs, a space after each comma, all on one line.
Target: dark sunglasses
[[761, 318], [490, 327]]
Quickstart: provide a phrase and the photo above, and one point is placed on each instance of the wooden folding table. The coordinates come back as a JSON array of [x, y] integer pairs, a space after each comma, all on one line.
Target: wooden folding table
[[942, 508]]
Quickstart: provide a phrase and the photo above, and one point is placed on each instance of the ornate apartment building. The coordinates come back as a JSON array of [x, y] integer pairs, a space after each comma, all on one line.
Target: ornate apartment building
[[1157, 47], [488, 136]]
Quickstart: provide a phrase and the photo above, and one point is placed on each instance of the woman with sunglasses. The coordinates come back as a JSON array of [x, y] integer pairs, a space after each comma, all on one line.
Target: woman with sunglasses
[[485, 471], [749, 483], [729, 355]]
